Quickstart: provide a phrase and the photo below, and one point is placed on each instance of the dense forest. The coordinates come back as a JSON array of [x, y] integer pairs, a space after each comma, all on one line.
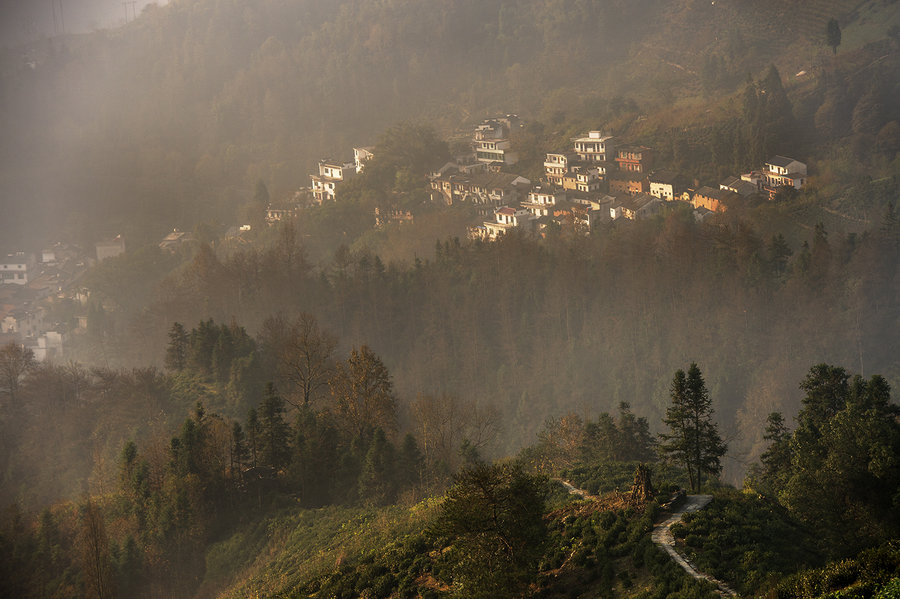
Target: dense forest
[[533, 327]]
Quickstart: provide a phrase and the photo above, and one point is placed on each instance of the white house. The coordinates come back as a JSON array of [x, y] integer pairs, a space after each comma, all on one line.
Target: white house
[[594, 201], [666, 185], [556, 166], [506, 218], [783, 171], [479, 188], [541, 200], [47, 345], [491, 140], [330, 174], [739, 186], [18, 268], [582, 178], [595, 147]]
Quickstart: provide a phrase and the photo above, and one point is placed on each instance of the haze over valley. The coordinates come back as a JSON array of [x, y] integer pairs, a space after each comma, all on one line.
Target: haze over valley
[[275, 271]]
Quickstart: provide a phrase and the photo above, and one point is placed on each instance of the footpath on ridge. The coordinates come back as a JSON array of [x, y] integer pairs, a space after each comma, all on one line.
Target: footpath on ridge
[[662, 536]]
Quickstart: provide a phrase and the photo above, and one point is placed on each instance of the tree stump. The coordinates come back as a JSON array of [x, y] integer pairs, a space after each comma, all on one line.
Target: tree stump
[[642, 487]]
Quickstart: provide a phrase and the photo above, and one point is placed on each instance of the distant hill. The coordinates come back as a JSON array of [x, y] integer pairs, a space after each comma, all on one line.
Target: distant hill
[[172, 119]]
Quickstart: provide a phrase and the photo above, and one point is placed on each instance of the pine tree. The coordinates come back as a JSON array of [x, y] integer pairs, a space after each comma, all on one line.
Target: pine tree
[[495, 516], [253, 436], [693, 440], [177, 351], [833, 35], [377, 479], [275, 434], [239, 451]]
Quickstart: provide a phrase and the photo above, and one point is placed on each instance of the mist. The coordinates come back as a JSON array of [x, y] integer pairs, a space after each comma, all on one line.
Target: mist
[[158, 167]]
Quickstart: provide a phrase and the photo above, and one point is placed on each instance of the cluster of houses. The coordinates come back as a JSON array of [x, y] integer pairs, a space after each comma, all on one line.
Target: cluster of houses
[[29, 281], [26, 280], [596, 179]]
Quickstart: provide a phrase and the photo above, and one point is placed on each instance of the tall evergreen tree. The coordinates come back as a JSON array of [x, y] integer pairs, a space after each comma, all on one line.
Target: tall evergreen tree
[[693, 439], [177, 350], [839, 471], [833, 35], [377, 481], [239, 452], [275, 434]]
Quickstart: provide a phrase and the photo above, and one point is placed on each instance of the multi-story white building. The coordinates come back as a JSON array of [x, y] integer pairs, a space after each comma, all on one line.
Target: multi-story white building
[[491, 140], [557, 165], [595, 147], [330, 174], [783, 171], [582, 178], [479, 188], [506, 218], [541, 201]]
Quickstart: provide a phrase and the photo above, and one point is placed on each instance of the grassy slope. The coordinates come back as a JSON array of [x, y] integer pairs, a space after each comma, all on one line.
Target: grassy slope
[[290, 550], [594, 548]]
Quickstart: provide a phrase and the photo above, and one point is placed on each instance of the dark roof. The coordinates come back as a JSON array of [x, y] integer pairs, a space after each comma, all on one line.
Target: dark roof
[[782, 161], [482, 179], [627, 176], [670, 177], [709, 192]]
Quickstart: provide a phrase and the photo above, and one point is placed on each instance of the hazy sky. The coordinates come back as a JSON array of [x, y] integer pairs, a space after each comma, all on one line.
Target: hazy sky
[[26, 20]]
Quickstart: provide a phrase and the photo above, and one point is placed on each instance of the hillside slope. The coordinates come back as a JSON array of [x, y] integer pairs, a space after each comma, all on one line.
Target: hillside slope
[[181, 111]]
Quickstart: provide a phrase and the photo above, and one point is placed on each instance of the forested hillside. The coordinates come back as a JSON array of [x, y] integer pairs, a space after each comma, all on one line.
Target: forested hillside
[[525, 329], [171, 120]]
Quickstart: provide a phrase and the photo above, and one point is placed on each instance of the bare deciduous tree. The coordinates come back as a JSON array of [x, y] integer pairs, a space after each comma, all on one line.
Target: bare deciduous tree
[[303, 354], [95, 553], [443, 422]]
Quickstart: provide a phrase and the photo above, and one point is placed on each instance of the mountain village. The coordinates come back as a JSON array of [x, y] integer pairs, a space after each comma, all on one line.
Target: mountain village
[[597, 180]]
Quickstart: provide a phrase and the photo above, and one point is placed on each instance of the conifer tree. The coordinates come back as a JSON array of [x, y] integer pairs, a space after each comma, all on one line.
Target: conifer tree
[[239, 451], [693, 439], [833, 35], [177, 351], [377, 479], [275, 434]]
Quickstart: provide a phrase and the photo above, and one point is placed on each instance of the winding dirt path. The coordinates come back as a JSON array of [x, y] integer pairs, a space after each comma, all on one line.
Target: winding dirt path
[[662, 536]]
